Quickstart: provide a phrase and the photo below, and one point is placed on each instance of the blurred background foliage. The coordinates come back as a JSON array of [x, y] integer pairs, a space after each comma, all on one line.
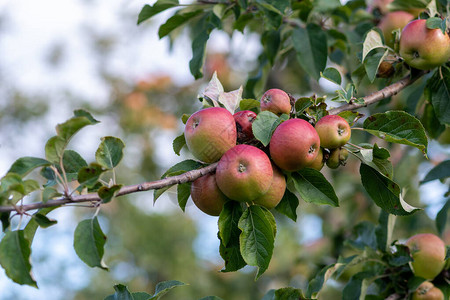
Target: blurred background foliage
[[150, 243]]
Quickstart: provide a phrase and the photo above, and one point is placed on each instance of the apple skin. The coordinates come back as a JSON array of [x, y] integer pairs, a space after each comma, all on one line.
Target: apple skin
[[428, 252], [276, 191], [244, 173], [276, 101], [207, 196], [424, 48], [319, 162], [392, 21], [334, 131], [244, 120], [427, 291], [209, 133], [294, 145], [337, 158]]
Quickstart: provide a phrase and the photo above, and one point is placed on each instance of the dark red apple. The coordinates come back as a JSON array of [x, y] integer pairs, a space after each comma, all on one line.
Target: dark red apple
[[244, 120]]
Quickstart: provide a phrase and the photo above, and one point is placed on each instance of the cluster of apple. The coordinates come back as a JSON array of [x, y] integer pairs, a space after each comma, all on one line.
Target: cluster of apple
[[249, 172], [428, 252], [420, 47]]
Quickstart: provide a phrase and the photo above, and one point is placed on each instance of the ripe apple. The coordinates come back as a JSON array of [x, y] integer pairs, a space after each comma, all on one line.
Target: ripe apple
[[209, 133], [334, 131], [294, 145], [337, 158], [276, 101], [318, 162], [424, 48], [276, 190], [392, 21], [244, 120], [207, 196], [427, 291], [244, 173], [428, 253]]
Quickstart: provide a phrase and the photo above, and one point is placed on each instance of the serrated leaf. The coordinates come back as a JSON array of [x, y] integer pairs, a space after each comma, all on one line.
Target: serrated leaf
[[384, 192], [110, 152], [372, 41], [397, 127], [149, 11], [265, 124], [230, 100], [108, 193], [25, 165], [165, 286], [310, 43], [32, 226], [176, 21], [89, 242], [15, 258], [88, 176], [441, 217], [183, 193], [288, 205], [440, 171], [332, 75], [178, 144], [257, 237], [313, 187], [302, 104], [439, 93]]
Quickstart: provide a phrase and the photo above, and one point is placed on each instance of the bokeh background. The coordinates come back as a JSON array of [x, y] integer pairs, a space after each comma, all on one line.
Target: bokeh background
[[57, 56]]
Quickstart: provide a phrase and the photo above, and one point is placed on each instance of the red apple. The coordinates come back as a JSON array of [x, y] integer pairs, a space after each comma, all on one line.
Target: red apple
[[244, 173], [318, 162], [337, 158], [424, 48], [244, 120], [427, 291], [276, 101], [334, 131], [428, 253], [207, 196], [294, 145], [276, 191], [392, 21], [209, 133]]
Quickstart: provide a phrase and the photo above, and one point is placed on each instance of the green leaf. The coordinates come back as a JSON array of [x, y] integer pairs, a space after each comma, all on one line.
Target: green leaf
[[110, 152], [326, 5], [372, 63], [350, 116], [249, 104], [310, 43], [141, 296], [211, 298], [54, 149], [407, 4], [183, 193], [73, 162], [69, 128], [265, 124], [441, 217], [271, 41], [364, 236], [437, 23], [356, 288], [25, 165], [302, 104], [176, 21], [316, 284], [286, 293], [384, 230], [30, 230], [257, 237], [185, 117], [372, 41], [332, 75], [15, 258], [397, 127], [44, 221], [149, 11], [439, 94], [108, 193], [4, 219], [178, 144], [313, 187], [122, 293], [202, 31], [288, 205], [89, 241], [49, 193], [382, 165], [384, 192], [400, 257], [165, 286], [88, 176], [441, 171]]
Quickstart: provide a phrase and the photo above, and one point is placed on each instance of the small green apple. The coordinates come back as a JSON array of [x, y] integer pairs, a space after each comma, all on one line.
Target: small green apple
[[337, 158], [318, 163], [427, 291]]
